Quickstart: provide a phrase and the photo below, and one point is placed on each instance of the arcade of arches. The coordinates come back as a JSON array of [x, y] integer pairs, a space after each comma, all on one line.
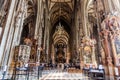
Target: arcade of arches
[[74, 32]]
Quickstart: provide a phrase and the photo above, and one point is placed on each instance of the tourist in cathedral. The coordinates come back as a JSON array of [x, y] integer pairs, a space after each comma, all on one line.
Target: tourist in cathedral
[[40, 69]]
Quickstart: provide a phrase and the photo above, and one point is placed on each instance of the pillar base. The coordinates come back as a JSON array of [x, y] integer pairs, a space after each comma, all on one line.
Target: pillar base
[[81, 65], [107, 77], [109, 72]]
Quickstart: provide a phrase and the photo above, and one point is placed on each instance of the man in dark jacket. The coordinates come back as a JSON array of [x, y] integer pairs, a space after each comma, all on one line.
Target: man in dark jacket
[[40, 69]]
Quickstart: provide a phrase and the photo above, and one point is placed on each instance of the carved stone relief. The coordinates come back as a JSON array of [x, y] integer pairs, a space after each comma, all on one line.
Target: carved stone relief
[[111, 30], [88, 51]]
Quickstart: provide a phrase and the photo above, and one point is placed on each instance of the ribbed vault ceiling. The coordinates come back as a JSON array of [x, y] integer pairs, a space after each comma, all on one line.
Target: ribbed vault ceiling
[[60, 9]]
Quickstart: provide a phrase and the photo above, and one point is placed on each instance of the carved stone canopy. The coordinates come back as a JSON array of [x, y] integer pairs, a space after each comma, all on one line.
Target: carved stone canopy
[[89, 42]]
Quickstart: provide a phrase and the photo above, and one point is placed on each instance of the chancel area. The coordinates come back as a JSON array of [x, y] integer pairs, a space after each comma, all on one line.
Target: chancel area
[[59, 39]]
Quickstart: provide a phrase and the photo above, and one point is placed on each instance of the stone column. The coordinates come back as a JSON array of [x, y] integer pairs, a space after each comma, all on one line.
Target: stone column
[[106, 5], [81, 58], [6, 31], [113, 48], [93, 56], [38, 20], [115, 4], [109, 73], [48, 34], [40, 36], [18, 25], [1, 3], [84, 17], [53, 54]]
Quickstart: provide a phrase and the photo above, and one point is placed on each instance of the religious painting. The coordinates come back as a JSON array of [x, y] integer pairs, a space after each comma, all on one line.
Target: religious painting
[[24, 53], [87, 54]]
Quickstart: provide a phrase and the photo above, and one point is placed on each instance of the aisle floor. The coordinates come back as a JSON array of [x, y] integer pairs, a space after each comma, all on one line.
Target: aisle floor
[[56, 75]]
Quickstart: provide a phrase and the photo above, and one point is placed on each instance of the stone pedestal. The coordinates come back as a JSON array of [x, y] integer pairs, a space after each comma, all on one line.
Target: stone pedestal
[[108, 65], [110, 68]]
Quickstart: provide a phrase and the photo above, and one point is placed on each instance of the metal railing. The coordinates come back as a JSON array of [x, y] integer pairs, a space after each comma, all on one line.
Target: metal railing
[[21, 73]]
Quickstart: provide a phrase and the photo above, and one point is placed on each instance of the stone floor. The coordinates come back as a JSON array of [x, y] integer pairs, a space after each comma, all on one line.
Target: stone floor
[[53, 75], [58, 75]]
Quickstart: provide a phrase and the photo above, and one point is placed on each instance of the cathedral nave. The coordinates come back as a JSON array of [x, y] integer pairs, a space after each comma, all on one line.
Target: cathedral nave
[[59, 39]]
